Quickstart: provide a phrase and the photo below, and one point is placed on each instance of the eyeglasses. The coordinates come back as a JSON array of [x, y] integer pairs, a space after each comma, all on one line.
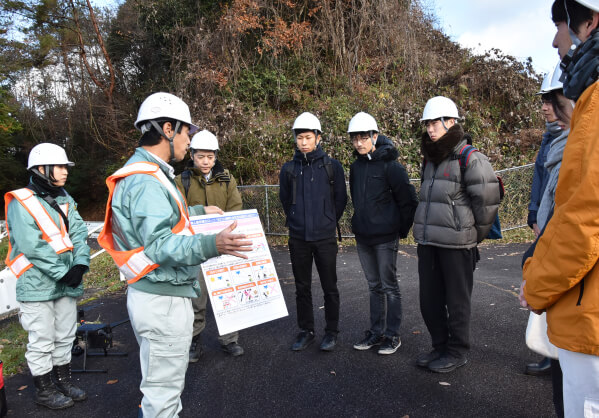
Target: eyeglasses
[[359, 137]]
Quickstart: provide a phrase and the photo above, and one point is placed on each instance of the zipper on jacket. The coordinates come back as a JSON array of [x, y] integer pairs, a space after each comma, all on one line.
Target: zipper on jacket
[[581, 292], [365, 185], [428, 202], [455, 216]]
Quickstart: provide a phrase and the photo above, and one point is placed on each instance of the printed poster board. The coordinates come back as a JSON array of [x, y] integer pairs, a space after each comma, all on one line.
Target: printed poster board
[[243, 293]]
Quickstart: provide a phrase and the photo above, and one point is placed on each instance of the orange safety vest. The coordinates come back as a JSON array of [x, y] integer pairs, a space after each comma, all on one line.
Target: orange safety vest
[[58, 238], [134, 264]]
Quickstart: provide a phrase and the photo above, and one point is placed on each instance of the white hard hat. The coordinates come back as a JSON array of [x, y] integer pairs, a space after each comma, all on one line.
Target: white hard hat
[[307, 121], [439, 107], [551, 81], [362, 122], [47, 154], [204, 140], [591, 4], [163, 106]]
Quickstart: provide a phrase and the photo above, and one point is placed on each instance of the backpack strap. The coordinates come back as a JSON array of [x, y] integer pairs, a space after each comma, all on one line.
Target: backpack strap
[[328, 166], [464, 158], [186, 181]]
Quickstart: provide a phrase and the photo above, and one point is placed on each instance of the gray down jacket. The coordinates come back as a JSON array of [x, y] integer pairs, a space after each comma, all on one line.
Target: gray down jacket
[[452, 213]]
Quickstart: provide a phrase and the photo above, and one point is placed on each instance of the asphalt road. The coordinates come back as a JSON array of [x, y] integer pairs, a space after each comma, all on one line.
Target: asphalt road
[[270, 380]]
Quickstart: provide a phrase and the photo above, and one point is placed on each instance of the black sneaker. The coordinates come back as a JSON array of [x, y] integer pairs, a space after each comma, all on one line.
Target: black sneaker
[[195, 349], [424, 359], [369, 341], [328, 342], [446, 363], [233, 349], [303, 340], [390, 345]]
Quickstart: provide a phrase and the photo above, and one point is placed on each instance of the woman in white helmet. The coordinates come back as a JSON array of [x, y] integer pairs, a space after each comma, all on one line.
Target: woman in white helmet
[[49, 255], [459, 198], [206, 182], [561, 277], [553, 130]]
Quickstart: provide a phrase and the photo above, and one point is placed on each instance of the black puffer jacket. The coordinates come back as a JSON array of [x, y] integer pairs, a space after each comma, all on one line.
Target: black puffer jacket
[[314, 215], [384, 200]]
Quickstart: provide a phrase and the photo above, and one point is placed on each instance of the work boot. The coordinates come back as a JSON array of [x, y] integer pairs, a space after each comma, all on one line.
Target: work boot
[[62, 378], [46, 393], [195, 349]]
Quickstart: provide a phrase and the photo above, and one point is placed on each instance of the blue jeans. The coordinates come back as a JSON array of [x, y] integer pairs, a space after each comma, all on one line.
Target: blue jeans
[[379, 265]]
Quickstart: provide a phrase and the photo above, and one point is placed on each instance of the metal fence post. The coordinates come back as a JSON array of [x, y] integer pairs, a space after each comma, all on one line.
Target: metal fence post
[[267, 210]]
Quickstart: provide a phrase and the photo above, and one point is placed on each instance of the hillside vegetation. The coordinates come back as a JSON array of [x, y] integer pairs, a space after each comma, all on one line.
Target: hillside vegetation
[[75, 75]]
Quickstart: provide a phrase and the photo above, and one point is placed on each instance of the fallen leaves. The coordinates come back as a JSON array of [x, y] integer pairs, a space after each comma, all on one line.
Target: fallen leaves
[[444, 384], [22, 387], [112, 381]]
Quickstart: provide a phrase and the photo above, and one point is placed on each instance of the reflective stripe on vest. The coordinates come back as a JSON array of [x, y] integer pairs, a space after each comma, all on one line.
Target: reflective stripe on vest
[[134, 264], [58, 239]]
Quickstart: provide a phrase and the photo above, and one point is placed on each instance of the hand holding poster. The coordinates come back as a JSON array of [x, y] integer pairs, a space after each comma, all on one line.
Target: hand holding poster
[[243, 293]]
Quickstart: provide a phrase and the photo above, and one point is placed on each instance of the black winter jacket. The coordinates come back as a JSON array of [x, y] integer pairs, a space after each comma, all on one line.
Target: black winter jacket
[[384, 200], [314, 216]]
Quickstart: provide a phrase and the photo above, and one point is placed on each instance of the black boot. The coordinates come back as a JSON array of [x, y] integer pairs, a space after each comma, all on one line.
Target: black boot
[[47, 394], [540, 368], [62, 377], [195, 349]]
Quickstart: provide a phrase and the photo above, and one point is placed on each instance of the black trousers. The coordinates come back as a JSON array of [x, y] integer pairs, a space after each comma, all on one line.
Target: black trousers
[[558, 388], [324, 254], [446, 277]]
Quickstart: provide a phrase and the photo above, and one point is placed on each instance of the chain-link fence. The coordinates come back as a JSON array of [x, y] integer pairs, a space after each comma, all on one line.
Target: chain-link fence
[[265, 198], [512, 213]]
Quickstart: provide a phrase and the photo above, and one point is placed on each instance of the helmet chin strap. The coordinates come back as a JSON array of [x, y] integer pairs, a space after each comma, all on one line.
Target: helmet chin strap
[[443, 123], [575, 44], [373, 145], [170, 139], [48, 179]]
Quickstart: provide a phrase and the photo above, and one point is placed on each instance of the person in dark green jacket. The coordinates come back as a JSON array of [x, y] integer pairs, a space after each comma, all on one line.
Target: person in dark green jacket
[[48, 253], [206, 182]]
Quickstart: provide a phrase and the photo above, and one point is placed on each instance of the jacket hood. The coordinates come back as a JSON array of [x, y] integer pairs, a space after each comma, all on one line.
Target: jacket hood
[[385, 150], [310, 157], [437, 151]]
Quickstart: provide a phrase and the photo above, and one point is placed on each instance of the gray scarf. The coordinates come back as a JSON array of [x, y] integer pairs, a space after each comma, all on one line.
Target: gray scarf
[[583, 70], [554, 130], [552, 165]]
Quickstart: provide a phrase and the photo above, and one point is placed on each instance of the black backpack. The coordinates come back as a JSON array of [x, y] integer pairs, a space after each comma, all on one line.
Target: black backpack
[[186, 181]]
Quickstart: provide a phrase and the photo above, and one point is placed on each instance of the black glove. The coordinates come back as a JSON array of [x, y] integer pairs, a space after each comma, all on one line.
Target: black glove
[[74, 276]]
